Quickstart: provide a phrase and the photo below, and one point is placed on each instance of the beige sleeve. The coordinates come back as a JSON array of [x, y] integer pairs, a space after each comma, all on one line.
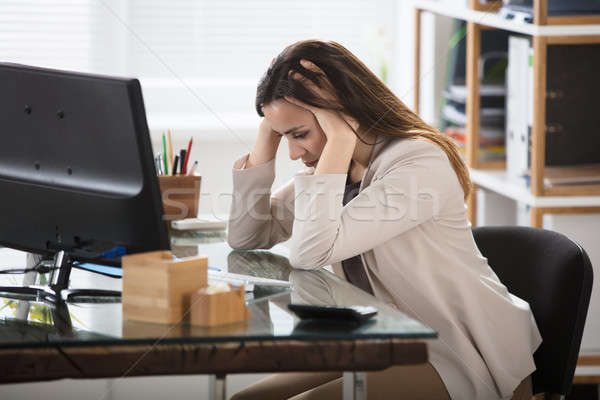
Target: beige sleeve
[[257, 218], [326, 232]]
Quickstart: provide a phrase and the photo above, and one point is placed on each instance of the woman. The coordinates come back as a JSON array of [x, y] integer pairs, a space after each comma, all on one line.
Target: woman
[[382, 202]]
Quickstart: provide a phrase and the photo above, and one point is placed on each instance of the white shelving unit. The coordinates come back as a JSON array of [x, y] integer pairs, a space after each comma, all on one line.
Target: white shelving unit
[[498, 181], [491, 19], [490, 174]]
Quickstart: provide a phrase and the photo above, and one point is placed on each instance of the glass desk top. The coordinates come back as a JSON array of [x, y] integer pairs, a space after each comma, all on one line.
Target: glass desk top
[[26, 324]]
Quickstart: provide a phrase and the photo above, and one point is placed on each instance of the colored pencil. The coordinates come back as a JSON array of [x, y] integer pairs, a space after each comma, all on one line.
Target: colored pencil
[[166, 161], [187, 156], [170, 148], [181, 158], [175, 165]]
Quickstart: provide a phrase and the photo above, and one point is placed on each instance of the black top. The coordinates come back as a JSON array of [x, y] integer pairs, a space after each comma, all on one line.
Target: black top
[[353, 266]]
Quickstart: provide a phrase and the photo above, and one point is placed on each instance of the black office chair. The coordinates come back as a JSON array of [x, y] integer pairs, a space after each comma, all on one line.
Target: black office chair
[[554, 275]]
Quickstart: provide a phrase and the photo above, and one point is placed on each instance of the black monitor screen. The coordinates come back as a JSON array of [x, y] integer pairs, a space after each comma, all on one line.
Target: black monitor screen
[[76, 165]]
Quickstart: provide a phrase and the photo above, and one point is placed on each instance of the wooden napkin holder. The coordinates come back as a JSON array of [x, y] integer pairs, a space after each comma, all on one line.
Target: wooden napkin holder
[[210, 310], [157, 288], [180, 196]]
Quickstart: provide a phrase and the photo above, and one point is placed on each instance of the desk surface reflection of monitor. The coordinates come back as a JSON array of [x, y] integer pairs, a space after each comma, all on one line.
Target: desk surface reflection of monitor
[[77, 175]]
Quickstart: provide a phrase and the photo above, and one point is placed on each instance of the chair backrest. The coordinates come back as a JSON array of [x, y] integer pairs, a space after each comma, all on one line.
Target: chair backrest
[[554, 275]]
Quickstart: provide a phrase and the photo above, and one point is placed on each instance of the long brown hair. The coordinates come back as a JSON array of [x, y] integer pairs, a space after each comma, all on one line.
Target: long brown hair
[[361, 94]]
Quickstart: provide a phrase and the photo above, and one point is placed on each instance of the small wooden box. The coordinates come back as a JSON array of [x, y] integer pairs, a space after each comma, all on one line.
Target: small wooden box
[[180, 196], [219, 308], [157, 288]]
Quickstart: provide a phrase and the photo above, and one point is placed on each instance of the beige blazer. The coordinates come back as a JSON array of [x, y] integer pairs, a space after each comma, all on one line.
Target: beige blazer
[[410, 227]]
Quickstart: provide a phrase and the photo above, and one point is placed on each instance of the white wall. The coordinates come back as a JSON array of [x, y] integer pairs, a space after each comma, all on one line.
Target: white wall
[[435, 34]]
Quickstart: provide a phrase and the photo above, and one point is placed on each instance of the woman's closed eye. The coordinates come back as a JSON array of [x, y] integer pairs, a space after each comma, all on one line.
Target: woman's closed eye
[[301, 135]]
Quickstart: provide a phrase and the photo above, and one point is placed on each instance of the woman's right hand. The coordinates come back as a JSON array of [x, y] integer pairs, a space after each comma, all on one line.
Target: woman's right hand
[[265, 146]]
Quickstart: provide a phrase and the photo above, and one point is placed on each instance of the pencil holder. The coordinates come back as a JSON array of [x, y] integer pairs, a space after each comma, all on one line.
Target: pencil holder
[[212, 309], [157, 288], [180, 196]]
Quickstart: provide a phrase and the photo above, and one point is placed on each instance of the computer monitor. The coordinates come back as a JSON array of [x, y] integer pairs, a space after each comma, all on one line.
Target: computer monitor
[[77, 175]]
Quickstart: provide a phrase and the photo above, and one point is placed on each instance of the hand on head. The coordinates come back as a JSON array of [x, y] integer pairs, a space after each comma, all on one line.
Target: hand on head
[[326, 118]]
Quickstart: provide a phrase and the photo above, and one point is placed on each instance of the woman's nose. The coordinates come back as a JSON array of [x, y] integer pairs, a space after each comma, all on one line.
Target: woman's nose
[[295, 151]]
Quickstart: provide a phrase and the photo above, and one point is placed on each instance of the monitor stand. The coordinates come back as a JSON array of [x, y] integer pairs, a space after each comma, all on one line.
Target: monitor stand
[[57, 290]]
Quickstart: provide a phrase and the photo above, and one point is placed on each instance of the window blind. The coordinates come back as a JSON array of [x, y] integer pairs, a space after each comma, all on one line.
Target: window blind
[[199, 61]]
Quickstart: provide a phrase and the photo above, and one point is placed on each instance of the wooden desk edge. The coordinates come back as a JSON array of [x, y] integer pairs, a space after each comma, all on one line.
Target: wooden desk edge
[[22, 365]]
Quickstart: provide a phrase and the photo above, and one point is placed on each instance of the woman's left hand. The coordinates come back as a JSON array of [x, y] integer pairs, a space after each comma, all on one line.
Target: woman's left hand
[[335, 125]]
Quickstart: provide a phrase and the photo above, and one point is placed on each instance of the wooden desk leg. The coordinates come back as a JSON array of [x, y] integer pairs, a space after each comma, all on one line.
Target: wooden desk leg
[[217, 385], [355, 386]]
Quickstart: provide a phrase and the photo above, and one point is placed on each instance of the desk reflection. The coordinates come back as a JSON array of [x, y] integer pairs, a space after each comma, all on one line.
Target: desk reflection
[[270, 318]]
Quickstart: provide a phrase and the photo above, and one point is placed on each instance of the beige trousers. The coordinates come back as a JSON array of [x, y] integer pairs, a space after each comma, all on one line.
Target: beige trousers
[[414, 382]]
